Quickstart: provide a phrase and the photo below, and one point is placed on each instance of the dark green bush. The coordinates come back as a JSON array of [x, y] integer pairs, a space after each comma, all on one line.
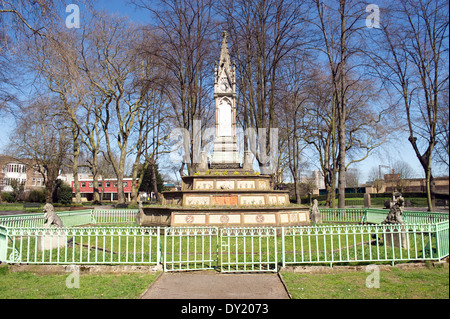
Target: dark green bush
[[7, 197], [37, 196], [62, 193]]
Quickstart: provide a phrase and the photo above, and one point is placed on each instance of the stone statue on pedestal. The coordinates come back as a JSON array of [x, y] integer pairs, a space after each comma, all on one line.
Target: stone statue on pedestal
[[316, 217], [50, 217], [395, 213]]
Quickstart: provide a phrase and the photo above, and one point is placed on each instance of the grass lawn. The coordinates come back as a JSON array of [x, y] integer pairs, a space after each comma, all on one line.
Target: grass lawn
[[424, 283], [8, 207], [27, 285]]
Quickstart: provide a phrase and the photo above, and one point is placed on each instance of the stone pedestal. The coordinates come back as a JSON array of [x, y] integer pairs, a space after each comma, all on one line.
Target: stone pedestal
[[316, 217], [51, 240], [367, 200], [396, 238], [225, 150], [203, 166], [248, 161]]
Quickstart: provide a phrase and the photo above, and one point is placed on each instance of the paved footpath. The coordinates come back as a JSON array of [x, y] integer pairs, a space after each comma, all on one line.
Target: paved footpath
[[215, 285]]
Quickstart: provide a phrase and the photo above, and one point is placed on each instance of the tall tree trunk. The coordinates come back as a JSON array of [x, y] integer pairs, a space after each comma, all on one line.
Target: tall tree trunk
[[76, 155], [342, 109]]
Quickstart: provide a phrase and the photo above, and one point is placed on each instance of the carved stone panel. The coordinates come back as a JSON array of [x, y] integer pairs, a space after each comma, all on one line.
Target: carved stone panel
[[263, 185], [224, 184], [246, 184], [252, 200], [273, 200], [204, 185], [197, 200]]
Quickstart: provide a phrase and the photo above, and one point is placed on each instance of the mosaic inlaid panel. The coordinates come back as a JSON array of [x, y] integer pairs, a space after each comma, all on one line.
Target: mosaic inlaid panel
[[225, 200]]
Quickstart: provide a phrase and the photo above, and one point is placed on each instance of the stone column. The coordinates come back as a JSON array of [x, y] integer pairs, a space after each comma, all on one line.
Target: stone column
[[248, 161]]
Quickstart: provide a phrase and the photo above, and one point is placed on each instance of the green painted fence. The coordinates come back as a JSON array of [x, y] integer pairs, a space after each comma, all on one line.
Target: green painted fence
[[364, 243], [190, 248], [83, 245], [424, 236], [376, 216], [245, 249], [73, 218]]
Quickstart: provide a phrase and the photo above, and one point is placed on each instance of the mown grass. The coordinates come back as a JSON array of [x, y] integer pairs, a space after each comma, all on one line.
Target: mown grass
[[423, 283], [27, 285]]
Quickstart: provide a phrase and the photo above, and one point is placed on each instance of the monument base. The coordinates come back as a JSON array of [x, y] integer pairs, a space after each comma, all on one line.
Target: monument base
[[224, 217], [225, 166]]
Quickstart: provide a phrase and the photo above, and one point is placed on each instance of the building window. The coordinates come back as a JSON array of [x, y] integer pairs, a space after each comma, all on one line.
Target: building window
[[108, 184], [83, 184], [91, 184]]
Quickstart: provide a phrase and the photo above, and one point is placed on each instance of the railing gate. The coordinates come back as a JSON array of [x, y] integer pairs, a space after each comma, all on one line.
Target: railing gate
[[190, 248], [248, 249]]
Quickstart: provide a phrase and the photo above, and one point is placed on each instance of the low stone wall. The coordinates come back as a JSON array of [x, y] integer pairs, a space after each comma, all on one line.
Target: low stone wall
[[92, 269], [337, 269]]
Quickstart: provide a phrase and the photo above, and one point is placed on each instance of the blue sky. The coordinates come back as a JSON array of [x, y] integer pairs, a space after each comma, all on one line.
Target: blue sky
[[397, 150]]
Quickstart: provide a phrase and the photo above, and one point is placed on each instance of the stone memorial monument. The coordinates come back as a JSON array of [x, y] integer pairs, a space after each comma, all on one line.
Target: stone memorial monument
[[51, 219], [316, 217], [225, 192], [396, 237]]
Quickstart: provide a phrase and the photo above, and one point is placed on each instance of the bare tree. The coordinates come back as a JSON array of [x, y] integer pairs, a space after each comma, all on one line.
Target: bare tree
[[263, 34], [54, 61], [442, 131], [185, 29], [294, 99], [42, 136], [322, 134], [114, 70], [19, 20], [341, 41], [404, 171], [414, 62], [353, 178]]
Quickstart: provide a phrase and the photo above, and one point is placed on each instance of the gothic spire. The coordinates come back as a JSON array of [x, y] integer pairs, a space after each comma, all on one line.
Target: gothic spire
[[224, 67]]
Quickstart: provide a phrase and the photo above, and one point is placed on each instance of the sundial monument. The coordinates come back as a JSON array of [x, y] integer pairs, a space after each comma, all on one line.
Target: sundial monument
[[223, 192]]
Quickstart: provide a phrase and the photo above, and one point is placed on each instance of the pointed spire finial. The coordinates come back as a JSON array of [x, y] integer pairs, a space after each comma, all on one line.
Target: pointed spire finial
[[224, 36]]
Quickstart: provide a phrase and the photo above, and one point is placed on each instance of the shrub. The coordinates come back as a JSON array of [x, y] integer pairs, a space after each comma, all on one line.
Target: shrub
[[7, 197], [62, 193], [37, 196]]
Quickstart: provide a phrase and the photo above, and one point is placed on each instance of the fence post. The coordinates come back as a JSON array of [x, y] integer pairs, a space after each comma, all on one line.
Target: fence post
[[158, 245], [283, 259], [438, 244], [3, 243]]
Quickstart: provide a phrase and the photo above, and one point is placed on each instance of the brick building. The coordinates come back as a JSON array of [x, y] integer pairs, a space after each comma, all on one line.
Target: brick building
[[107, 188], [23, 171]]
